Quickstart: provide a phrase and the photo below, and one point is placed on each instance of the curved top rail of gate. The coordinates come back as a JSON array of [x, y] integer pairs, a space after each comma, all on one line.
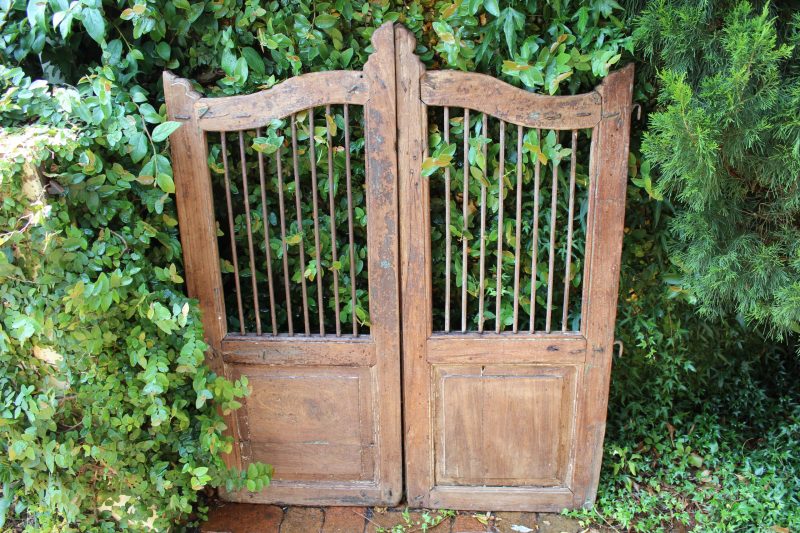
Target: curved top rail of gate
[[478, 92]]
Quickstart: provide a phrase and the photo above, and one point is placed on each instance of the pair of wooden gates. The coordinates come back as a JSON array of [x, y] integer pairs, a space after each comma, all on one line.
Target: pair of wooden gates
[[406, 331]]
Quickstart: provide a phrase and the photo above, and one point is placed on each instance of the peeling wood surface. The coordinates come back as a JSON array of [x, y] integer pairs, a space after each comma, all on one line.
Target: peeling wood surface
[[485, 94], [231, 113]]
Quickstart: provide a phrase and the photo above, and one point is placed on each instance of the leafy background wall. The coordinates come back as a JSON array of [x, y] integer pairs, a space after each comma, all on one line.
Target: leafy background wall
[[104, 390]]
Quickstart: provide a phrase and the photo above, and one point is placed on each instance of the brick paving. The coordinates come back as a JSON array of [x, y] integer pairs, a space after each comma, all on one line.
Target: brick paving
[[250, 518]]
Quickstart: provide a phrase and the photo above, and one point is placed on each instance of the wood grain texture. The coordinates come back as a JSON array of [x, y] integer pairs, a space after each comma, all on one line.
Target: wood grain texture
[[606, 218], [311, 424], [416, 271], [485, 94], [290, 350], [380, 135], [502, 425], [250, 111], [197, 226], [506, 347]]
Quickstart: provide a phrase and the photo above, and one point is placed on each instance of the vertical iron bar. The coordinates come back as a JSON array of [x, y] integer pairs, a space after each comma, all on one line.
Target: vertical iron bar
[[282, 216], [485, 134], [332, 202], [299, 207], [464, 229], [350, 218], [447, 237], [501, 171], [517, 234], [312, 156], [265, 217], [572, 167], [552, 261], [232, 231], [535, 247], [246, 191]]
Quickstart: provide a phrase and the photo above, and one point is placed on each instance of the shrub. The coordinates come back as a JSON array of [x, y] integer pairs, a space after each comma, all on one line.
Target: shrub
[[725, 139]]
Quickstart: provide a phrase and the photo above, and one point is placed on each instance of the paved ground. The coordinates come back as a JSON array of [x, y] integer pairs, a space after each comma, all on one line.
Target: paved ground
[[248, 518]]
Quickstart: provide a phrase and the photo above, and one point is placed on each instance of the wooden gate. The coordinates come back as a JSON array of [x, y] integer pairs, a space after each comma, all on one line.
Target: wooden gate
[[443, 187]]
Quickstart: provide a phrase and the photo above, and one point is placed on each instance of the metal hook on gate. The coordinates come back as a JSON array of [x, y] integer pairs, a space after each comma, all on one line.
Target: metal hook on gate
[[621, 347], [638, 108]]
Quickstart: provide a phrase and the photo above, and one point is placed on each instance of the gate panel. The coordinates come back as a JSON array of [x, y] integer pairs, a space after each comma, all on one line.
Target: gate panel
[[302, 301], [506, 366]]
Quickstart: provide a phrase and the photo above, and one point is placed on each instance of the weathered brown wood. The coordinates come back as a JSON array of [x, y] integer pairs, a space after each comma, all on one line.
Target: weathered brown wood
[[489, 95], [416, 267], [490, 418], [323, 410], [198, 228], [545, 499], [312, 350], [506, 348], [483, 417], [493, 420], [380, 124], [606, 218], [245, 112]]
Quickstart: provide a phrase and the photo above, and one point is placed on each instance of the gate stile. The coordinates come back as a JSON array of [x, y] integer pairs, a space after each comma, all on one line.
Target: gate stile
[[503, 410], [323, 453]]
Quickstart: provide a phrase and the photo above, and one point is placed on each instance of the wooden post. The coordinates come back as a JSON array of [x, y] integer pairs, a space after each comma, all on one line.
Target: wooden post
[[416, 269], [380, 135], [197, 228], [608, 169]]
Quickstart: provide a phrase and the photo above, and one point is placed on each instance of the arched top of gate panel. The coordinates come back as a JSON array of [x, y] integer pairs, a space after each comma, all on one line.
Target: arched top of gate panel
[[315, 89], [485, 94]]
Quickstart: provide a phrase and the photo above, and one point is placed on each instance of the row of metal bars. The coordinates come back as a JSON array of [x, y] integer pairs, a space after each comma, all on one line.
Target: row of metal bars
[[282, 217], [517, 251]]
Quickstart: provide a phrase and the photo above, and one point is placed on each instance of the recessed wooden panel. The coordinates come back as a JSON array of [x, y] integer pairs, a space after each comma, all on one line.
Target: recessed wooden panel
[[309, 423], [503, 425]]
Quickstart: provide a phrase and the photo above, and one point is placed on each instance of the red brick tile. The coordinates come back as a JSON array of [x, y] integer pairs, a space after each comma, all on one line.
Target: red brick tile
[[504, 521], [344, 520], [467, 523], [554, 523], [302, 520], [243, 518]]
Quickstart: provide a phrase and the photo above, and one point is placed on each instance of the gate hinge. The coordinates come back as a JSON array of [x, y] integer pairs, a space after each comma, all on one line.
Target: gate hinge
[[619, 344]]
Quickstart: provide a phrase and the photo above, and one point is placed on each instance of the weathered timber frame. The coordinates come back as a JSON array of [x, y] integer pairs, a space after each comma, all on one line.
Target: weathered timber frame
[[556, 380], [579, 361]]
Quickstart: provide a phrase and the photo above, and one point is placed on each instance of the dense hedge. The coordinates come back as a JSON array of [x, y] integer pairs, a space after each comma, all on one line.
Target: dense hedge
[[105, 394]]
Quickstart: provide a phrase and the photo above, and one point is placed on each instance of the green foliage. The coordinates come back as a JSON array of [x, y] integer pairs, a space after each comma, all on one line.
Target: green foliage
[[427, 520], [127, 409], [105, 393], [703, 425], [107, 415], [726, 142]]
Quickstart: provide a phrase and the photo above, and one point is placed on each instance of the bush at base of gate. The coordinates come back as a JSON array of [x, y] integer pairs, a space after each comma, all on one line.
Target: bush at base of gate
[[703, 420]]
